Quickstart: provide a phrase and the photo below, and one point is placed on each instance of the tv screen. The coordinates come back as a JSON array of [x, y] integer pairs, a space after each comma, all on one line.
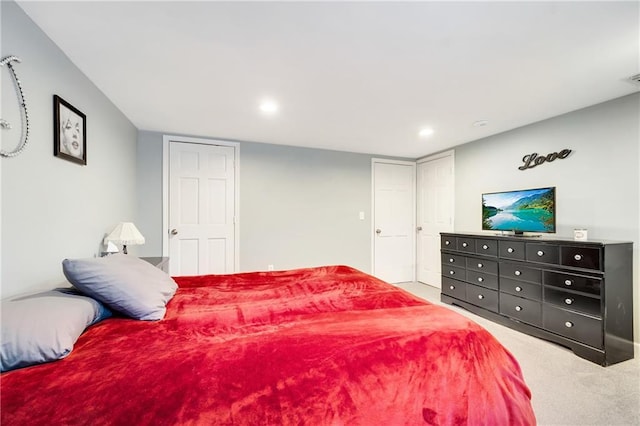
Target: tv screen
[[527, 210]]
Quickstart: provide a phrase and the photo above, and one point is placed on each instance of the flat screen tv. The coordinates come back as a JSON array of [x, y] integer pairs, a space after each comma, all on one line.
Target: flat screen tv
[[527, 210]]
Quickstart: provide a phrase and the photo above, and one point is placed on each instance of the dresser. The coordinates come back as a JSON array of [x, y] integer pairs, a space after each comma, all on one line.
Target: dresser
[[575, 293]]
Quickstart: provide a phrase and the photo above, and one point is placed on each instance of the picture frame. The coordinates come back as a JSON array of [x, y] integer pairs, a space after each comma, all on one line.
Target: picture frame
[[69, 132]]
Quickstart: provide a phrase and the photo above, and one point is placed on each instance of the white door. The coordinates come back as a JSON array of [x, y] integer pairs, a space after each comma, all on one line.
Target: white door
[[201, 222], [394, 220], [435, 214]]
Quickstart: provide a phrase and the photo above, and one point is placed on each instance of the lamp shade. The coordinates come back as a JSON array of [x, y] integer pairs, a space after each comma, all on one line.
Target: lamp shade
[[125, 233]]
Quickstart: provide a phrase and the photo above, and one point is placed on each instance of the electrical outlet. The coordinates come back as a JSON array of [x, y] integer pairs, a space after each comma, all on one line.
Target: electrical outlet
[[270, 267]]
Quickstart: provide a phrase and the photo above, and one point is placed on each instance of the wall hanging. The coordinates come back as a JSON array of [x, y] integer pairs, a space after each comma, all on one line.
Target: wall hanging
[[4, 124], [69, 132], [532, 160]]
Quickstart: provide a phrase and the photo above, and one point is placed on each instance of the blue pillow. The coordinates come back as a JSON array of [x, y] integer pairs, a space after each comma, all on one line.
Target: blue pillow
[[102, 311], [125, 283], [44, 327]]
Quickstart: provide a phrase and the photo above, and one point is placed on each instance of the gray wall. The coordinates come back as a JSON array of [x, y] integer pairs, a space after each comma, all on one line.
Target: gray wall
[[298, 207], [52, 208], [597, 186]]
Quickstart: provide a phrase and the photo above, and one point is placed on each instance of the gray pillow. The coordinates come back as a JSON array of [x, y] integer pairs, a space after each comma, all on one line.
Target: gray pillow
[[44, 327], [125, 283]]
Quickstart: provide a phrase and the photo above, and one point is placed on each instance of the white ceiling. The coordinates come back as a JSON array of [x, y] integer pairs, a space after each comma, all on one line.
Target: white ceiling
[[358, 76]]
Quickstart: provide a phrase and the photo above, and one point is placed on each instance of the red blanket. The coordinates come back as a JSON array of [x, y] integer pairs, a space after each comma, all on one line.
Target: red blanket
[[317, 346]]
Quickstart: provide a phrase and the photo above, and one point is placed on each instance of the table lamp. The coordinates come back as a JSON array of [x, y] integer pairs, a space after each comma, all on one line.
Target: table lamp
[[125, 233]]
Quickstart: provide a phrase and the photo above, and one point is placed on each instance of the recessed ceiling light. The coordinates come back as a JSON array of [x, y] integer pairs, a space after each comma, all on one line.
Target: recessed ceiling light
[[480, 123], [426, 132], [269, 107]]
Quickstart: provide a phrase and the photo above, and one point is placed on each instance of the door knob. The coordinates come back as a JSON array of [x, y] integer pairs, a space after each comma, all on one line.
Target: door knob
[[174, 231], [419, 228], [378, 231]]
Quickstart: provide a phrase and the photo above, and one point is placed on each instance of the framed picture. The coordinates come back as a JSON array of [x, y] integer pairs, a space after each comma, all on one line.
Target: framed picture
[[69, 132]]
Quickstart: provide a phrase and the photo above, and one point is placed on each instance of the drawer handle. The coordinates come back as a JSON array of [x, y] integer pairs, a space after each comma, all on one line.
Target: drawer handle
[[518, 288], [568, 301], [518, 308], [568, 324], [480, 279], [480, 296], [464, 244], [452, 287], [568, 282], [485, 247], [578, 257], [447, 242], [480, 265], [510, 250], [452, 272], [540, 253], [451, 260], [517, 273]]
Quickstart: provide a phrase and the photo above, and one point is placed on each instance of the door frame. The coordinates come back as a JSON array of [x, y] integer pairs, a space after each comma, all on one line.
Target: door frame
[[450, 153], [166, 140], [375, 160]]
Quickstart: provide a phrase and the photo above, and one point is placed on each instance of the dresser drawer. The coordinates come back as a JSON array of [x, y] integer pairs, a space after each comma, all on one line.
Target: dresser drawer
[[517, 271], [483, 279], [483, 297], [467, 245], [580, 257], [454, 272], [572, 325], [575, 302], [572, 282], [511, 250], [447, 242], [454, 288], [453, 260], [522, 289], [544, 253], [524, 310], [487, 247], [482, 265]]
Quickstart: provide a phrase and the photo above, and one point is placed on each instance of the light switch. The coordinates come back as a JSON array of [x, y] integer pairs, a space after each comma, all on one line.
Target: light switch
[[361, 215]]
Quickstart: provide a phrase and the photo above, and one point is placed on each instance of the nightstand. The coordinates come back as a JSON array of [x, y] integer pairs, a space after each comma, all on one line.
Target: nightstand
[[159, 262]]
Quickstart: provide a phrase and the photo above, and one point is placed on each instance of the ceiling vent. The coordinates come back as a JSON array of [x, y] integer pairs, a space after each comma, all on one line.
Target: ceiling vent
[[635, 79]]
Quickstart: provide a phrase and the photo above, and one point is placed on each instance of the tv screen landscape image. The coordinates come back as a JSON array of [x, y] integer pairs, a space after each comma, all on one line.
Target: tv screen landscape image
[[528, 210]]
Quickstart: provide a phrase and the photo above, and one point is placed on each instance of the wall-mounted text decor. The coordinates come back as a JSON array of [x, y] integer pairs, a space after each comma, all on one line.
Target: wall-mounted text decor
[[532, 160]]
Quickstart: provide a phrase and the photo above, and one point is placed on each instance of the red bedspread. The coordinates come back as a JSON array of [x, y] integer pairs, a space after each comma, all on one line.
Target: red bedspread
[[317, 346]]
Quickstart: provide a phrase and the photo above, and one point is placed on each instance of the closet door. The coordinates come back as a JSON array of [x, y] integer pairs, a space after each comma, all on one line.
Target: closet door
[[201, 210], [435, 196], [393, 220]]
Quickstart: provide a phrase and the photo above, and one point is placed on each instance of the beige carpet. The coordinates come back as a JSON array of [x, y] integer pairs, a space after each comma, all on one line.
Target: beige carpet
[[566, 389]]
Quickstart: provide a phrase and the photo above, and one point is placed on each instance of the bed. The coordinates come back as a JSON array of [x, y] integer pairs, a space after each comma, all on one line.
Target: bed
[[316, 346]]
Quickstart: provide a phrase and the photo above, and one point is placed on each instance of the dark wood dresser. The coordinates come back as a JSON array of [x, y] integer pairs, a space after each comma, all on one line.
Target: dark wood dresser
[[575, 293]]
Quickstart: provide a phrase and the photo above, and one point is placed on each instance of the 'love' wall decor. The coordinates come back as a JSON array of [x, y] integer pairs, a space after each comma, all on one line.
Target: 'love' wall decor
[[532, 160]]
